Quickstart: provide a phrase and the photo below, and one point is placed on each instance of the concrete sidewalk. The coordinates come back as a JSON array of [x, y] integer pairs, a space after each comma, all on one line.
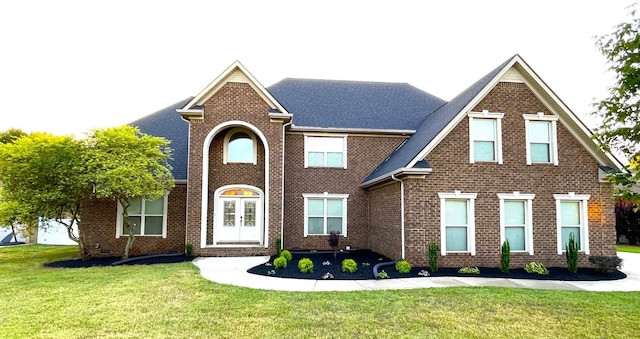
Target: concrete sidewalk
[[233, 271]]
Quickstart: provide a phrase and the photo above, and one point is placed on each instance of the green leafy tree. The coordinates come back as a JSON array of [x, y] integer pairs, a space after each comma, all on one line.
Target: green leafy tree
[[11, 135], [620, 112], [10, 213], [126, 164], [43, 175]]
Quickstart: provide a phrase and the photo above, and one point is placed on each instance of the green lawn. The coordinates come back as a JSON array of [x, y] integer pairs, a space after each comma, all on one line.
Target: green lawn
[[173, 301], [628, 248]]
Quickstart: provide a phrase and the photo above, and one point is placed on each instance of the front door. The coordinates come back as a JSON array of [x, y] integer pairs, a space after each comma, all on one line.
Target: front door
[[239, 220]]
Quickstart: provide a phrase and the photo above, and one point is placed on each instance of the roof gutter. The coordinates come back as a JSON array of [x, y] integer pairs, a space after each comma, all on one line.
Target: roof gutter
[[295, 128], [398, 172]]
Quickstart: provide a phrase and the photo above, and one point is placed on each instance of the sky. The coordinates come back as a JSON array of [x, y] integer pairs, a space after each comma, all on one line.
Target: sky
[[69, 66]]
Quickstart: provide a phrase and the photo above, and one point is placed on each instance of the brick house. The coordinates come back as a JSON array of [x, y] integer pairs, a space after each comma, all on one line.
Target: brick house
[[387, 165]]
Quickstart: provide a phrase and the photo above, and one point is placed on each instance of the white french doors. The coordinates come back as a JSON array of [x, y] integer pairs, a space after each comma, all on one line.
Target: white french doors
[[238, 220]]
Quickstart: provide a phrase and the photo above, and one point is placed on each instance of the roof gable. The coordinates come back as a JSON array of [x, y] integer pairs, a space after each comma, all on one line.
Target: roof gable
[[234, 73], [437, 125]]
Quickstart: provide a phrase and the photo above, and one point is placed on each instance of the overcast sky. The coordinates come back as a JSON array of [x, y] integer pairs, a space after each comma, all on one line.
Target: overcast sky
[[68, 66]]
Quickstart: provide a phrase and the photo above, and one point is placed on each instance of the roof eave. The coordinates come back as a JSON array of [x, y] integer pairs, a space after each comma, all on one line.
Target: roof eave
[[396, 173], [295, 128]]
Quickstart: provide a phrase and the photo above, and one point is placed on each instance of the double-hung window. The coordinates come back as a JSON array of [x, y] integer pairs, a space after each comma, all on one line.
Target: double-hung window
[[516, 221], [457, 222], [148, 218], [485, 134], [325, 151], [542, 140], [572, 217], [324, 213]]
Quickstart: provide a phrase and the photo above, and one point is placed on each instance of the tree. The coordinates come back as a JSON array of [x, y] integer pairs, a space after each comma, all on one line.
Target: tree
[[9, 210], [11, 135], [620, 112], [43, 175], [126, 164]]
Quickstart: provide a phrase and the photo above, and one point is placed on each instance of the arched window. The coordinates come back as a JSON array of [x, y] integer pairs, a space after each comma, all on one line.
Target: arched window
[[240, 146]]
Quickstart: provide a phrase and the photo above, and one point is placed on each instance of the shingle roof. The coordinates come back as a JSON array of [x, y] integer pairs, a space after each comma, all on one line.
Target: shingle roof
[[168, 123], [431, 126], [354, 104]]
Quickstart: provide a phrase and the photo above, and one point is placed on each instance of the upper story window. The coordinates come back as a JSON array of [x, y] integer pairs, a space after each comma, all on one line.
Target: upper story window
[[516, 221], [148, 217], [542, 140], [572, 217], [457, 222], [485, 134], [240, 146], [325, 151]]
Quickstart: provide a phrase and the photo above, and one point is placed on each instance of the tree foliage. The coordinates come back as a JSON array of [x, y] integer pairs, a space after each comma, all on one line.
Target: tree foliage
[[11, 135], [620, 112], [126, 164], [43, 175]]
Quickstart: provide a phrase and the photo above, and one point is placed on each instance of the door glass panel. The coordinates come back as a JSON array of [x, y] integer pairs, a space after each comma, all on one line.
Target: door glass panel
[[229, 213], [249, 213]]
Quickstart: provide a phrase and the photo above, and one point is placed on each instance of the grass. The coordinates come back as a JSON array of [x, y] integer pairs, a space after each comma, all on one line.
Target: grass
[[173, 301], [628, 248]]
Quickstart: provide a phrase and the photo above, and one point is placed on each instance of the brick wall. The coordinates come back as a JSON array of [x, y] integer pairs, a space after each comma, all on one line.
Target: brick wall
[[233, 102], [577, 172], [99, 227], [364, 153], [385, 220]]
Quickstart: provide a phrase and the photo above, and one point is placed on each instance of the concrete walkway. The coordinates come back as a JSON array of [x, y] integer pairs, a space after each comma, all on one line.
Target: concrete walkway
[[233, 271]]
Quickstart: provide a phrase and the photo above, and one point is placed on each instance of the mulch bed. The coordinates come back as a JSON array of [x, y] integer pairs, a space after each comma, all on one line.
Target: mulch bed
[[107, 261], [372, 258]]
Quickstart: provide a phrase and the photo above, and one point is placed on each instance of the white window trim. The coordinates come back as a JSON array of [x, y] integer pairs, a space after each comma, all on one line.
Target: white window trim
[[324, 135], [325, 196], [121, 233], [227, 138], [471, 228], [528, 218], [498, 142], [584, 218], [553, 135]]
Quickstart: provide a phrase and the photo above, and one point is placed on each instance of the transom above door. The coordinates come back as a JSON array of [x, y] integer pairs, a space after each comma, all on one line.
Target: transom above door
[[238, 216]]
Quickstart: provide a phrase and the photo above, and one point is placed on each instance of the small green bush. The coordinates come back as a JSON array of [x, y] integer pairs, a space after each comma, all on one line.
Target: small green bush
[[572, 254], [286, 254], [188, 249], [433, 256], [278, 246], [403, 266], [505, 257], [305, 265], [383, 275], [536, 267], [469, 270], [349, 265], [280, 262], [606, 264]]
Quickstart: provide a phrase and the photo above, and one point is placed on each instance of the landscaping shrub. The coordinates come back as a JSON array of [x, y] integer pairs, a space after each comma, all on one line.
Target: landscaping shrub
[[403, 266], [305, 265], [280, 262], [286, 254], [278, 246], [606, 264], [536, 267], [349, 265], [433, 256], [469, 270], [505, 257], [572, 254], [188, 249], [383, 275]]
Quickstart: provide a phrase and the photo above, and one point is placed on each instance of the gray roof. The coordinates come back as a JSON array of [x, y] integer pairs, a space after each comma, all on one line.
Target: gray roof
[[168, 123], [431, 126], [354, 104]]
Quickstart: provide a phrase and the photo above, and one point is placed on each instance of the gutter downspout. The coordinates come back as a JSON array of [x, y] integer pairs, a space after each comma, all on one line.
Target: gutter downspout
[[393, 177], [284, 126]]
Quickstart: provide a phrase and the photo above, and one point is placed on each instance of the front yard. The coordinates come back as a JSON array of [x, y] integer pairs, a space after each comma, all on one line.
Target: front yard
[[173, 301]]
